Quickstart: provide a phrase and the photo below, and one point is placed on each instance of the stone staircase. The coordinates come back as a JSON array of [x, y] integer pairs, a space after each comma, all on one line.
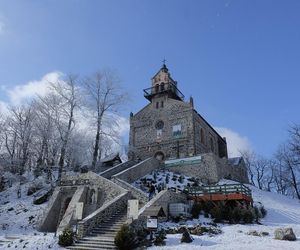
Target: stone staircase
[[103, 236]]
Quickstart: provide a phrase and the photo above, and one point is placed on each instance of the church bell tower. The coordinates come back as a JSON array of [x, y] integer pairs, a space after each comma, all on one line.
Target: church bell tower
[[163, 85]]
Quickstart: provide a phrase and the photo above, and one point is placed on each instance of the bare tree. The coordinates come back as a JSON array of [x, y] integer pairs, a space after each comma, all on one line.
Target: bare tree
[[269, 176], [280, 175], [290, 164], [68, 93], [18, 135], [249, 158], [294, 142], [260, 169], [104, 96]]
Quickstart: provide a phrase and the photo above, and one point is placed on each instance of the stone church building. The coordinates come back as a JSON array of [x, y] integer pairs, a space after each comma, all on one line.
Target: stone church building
[[169, 128]]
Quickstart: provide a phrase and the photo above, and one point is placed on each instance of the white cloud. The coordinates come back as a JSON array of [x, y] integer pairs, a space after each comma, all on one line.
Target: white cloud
[[20, 93], [123, 125], [3, 108], [235, 142]]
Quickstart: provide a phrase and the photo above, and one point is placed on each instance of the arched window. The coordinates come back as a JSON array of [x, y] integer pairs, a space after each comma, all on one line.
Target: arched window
[[156, 88], [202, 136], [212, 144], [162, 86]]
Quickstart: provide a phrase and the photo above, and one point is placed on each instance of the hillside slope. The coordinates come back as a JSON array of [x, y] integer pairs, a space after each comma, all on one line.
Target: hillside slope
[[282, 212]]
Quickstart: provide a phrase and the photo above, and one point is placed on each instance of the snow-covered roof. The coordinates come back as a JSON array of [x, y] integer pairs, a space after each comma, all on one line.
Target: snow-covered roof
[[111, 157], [154, 211]]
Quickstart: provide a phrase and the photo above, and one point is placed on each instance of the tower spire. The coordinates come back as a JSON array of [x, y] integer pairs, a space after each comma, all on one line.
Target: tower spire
[[164, 66]]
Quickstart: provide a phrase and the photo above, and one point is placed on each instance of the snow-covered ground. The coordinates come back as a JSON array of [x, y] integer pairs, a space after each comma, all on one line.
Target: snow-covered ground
[[282, 212], [18, 218], [164, 180], [18, 221]]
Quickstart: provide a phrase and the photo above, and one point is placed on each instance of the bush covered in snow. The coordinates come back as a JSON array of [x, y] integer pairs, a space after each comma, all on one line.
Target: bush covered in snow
[[66, 238], [186, 237], [125, 238]]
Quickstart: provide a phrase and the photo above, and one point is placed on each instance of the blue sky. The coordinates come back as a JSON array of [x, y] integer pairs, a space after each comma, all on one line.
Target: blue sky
[[238, 59]]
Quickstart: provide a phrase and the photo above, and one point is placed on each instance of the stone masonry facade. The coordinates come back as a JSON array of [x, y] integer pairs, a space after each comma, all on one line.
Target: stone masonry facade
[[170, 128]]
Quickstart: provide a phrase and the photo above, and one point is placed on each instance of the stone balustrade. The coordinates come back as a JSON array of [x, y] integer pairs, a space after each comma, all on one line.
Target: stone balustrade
[[139, 170], [101, 214], [116, 169], [135, 192]]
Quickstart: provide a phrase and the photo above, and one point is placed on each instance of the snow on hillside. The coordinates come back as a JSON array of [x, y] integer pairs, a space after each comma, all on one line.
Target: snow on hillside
[[18, 221], [18, 218], [164, 179], [282, 212]]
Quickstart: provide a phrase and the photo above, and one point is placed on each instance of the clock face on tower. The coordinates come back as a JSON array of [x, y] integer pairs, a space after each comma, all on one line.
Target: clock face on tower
[[159, 124]]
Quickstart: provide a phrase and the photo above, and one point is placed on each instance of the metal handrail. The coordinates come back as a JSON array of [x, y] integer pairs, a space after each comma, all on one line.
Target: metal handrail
[[220, 189], [166, 87]]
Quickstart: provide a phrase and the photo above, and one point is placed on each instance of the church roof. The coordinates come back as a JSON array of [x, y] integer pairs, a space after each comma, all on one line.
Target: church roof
[[155, 210]]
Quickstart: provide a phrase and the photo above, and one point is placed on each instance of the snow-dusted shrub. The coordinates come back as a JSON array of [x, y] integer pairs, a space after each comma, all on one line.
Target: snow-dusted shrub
[[207, 206], [125, 238], [186, 237], [160, 238], [216, 213], [196, 209], [263, 211], [236, 215], [66, 238], [181, 179], [248, 216], [167, 178]]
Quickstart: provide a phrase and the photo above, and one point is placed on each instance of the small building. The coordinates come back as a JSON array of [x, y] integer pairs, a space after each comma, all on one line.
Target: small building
[[110, 160], [179, 209], [155, 211]]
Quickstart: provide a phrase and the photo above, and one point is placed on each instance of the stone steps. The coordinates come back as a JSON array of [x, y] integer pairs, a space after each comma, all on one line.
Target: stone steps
[[88, 248], [103, 236], [95, 245]]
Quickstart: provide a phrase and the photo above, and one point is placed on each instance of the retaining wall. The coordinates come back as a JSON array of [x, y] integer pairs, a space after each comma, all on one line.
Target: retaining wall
[[139, 170]]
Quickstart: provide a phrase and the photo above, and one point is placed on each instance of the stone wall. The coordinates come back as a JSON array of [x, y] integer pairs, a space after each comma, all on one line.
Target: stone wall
[[69, 216], [206, 171], [163, 199], [135, 192], [238, 172], [139, 170], [51, 215], [101, 214], [144, 140], [212, 168], [120, 167], [209, 140], [90, 188]]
